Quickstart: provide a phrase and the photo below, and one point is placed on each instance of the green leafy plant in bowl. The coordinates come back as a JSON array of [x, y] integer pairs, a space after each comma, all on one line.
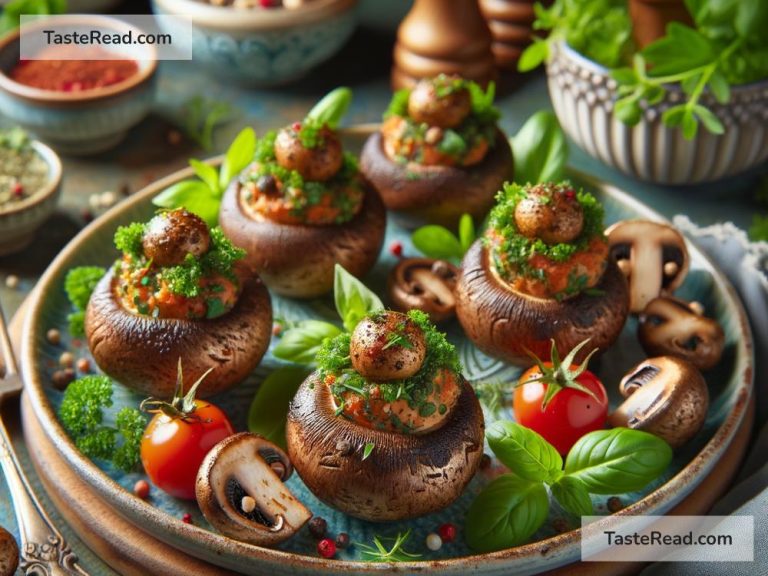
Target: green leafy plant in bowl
[[693, 94]]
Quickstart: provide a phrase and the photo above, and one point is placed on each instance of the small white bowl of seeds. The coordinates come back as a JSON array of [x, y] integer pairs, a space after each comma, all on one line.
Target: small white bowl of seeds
[[30, 184]]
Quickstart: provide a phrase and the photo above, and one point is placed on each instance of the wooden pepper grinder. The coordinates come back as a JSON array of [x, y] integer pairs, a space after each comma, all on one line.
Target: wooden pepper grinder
[[443, 36], [511, 24], [650, 18]]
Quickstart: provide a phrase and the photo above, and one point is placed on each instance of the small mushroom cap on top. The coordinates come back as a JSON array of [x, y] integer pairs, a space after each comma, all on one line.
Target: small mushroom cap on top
[[170, 236], [387, 346], [670, 326], [319, 162], [551, 213], [442, 101], [666, 396], [652, 256]]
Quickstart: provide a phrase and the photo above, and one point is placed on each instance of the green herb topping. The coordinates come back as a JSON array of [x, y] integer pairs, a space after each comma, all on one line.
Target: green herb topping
[[302, 194], [79, 285], [512, 252], [333, 360], [82, 415]]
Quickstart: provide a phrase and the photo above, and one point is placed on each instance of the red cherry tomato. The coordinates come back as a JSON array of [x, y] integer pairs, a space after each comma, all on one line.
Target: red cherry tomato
[[173, 448], [568, 415]]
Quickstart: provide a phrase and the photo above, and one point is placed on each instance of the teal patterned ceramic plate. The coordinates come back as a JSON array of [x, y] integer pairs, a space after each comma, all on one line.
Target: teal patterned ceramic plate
[[729, 383]]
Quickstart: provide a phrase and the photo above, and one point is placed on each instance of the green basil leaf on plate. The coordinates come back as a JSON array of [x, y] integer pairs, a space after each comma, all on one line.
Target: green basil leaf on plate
[[437, 242], [572, 495], [524, 451], [618, 460], [207, 174], [331, 108], [467, 233], [269, 408], [540, 150], [506, 513], [301, 343], [353, 298], [238, 156]]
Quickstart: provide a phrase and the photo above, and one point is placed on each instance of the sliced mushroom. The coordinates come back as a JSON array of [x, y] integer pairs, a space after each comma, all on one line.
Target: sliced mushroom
[[298, 261], [670, 326], [507, 324], [387, 346], [424, 284], [652, 255], [241, 493], [665, 396], [403, 476], [437, 194], [142, 352]]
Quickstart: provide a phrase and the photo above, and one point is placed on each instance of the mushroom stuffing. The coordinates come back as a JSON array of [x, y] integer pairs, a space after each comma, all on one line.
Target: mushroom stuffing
[[178, 291], [386, 428], [541, 271]]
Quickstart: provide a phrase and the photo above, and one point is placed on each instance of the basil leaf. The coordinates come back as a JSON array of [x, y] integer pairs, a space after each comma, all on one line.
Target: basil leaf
[[238, 156], [628, 110], [682, 49], [618, 460], [673, 116], [719, 87], [301, 343], [269, 407], [467, 233], [708, 118], [690, 125], [437, 242], [193, 195], [533, 56], [572, 495], [540, 150], [524, 451], [506, 513], [353, 298], [207, 174], [331, 108]]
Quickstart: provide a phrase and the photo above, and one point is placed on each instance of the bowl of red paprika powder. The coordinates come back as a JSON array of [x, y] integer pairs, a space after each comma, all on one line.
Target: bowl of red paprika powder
[[70, 96]]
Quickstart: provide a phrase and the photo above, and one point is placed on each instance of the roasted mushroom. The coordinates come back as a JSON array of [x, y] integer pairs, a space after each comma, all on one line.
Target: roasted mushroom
[[301, 208], [9, 553], [670, 326], [516, 293], [665, 396], [439, 153], [240, 490], [143, 316], [424, 284], [652, 256], [386, 449]]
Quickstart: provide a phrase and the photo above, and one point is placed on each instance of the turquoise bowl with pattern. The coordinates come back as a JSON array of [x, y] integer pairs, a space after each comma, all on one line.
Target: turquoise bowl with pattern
[[262, 47], [84, 122]]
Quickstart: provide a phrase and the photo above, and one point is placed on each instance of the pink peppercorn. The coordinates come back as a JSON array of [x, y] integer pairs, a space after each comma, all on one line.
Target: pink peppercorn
[[326, 548]]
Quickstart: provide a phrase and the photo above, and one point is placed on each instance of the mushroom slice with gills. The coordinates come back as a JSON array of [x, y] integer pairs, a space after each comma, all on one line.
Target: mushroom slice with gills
[[666, 396], [424, 284], [240, 491], [651, 255], [670, 326]]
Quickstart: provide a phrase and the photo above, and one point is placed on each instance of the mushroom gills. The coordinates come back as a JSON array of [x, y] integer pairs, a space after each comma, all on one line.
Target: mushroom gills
[[235, 493], [643, 376]]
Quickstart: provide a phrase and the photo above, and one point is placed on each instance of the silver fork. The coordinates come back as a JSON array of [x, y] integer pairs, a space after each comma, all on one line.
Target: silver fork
[[44, 552]]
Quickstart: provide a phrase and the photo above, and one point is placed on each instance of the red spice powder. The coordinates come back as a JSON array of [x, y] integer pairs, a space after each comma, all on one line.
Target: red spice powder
[[73, 75]]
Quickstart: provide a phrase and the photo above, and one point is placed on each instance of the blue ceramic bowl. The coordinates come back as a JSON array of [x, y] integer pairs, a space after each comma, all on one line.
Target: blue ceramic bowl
[[263, 47], [78, 122]]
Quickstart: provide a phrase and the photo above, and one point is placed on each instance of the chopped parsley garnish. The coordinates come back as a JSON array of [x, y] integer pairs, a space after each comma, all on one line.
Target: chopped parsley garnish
[[515, 251], [79, 285], [333, 360], [128, 239]]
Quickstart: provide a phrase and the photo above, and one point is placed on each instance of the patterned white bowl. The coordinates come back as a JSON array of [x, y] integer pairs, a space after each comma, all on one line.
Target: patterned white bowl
[[583, 95], [20, 221]]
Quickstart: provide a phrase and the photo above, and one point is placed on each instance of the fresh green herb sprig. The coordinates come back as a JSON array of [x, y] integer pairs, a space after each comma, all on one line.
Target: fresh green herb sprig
[[395, 553], [79, 284], [12, 11], [436, 241], [328, 112], [512, 507], [203, 196], [727, 46], [82, 415], [201, 118], [540, 150], [15, 139], [269, 407]]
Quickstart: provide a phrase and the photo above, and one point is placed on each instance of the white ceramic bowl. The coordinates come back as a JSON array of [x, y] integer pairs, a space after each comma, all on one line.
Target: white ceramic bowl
[[263, 47], [20, 221], [583, 95]]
